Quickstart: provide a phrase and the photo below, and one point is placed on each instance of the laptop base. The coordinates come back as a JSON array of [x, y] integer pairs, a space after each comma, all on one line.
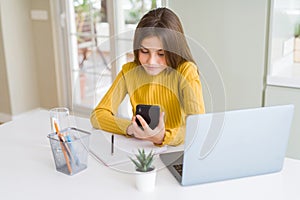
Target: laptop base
[[173, 161]]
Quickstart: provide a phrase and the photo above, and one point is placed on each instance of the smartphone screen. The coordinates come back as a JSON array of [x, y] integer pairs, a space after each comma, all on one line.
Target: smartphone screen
[[150, 114]]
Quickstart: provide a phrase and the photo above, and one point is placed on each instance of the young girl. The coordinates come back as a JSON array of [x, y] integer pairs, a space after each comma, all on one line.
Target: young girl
[[163, 73]]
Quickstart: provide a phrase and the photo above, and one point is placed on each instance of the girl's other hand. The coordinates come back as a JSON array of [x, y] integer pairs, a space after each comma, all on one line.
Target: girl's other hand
[[156, 135]]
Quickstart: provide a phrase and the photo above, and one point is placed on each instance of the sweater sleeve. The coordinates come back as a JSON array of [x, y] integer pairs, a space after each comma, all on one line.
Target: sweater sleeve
[[191, 99], [174, 136], [191, 91], [104, 115]]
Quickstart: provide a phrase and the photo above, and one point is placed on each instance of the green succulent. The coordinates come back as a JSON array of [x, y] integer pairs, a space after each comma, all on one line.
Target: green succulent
[[143, 162]]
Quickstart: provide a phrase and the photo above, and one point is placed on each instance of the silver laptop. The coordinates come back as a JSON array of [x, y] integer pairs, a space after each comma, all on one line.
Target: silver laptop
[[232, 144]]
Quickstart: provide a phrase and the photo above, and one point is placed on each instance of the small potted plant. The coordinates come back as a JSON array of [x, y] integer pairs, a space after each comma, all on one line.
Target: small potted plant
[[145, 172]]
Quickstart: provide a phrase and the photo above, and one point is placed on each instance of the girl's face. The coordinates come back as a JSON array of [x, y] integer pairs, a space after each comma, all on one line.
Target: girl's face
[[152, 56]]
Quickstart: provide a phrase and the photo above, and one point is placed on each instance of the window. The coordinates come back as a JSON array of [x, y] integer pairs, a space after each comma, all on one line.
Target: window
[[98, 38], [284, 40]]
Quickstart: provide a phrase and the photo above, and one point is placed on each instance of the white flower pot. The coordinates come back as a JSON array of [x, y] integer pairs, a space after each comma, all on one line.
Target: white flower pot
[[145, 181]]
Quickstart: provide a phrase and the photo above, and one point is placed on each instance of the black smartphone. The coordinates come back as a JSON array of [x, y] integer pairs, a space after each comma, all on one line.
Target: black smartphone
[[150, 114]]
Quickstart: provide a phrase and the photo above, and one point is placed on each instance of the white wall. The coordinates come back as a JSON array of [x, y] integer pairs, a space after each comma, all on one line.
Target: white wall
[[27, 59], [234, 34], [5, 108], [19, 55], [283, 95], [44, 51]]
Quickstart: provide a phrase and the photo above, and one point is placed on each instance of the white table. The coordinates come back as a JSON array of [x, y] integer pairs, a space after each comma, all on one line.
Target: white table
[[28, 172]]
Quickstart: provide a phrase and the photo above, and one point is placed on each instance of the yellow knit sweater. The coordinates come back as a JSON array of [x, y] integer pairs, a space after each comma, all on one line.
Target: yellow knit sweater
[[177, 92]]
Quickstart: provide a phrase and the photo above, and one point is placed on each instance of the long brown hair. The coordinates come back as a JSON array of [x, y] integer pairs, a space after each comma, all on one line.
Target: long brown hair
[[164, 24]]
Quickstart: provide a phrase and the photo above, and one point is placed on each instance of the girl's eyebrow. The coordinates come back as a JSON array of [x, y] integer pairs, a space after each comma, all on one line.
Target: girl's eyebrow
[[143, 47], [148, 49]]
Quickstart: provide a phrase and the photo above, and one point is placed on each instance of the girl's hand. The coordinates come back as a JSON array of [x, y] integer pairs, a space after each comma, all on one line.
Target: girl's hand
[[156, 135]]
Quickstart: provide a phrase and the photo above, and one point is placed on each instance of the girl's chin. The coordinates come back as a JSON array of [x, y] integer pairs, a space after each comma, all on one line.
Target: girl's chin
[[152, 73]]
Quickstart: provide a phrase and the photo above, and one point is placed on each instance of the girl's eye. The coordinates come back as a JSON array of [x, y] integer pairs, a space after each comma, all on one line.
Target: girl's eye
[[144, 51], [161, 53]]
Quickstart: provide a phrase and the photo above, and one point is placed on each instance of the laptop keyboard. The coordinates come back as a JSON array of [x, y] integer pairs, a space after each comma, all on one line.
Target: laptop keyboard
[[178, 168]]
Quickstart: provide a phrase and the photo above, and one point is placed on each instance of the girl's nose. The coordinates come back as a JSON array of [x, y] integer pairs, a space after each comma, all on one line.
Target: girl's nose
[[152, 59]]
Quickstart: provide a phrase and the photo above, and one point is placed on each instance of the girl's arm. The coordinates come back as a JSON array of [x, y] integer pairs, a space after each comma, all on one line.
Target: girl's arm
[[104, 115]]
